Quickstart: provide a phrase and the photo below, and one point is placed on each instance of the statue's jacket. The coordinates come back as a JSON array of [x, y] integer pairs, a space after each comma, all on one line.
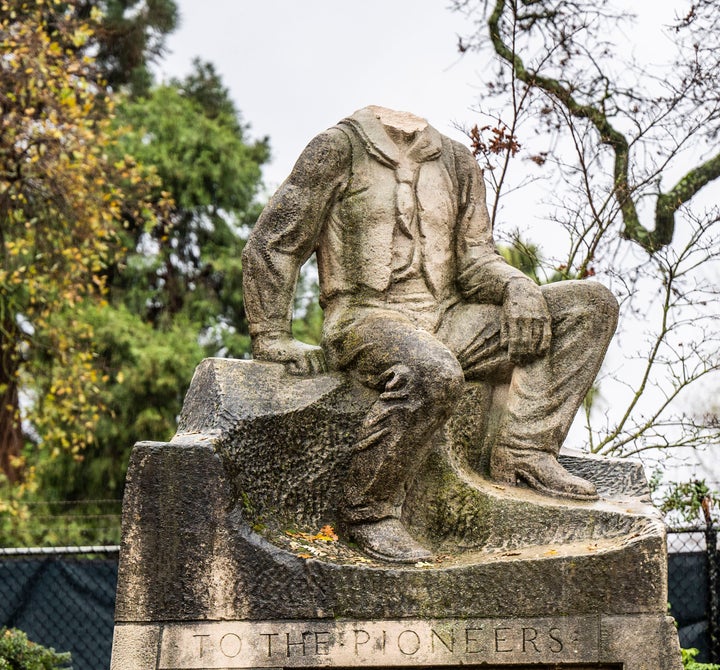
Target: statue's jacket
[[347, 200]]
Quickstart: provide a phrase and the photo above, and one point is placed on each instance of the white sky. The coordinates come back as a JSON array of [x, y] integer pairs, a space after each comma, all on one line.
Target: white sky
[[295, 67]]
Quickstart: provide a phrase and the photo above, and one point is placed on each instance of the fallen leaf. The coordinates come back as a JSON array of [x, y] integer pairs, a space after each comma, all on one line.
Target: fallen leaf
[[326, 534]]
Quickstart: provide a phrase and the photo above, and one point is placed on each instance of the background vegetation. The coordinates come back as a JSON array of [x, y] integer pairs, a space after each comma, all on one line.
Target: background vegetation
[[124, 205], [123, 209], [19, 653]]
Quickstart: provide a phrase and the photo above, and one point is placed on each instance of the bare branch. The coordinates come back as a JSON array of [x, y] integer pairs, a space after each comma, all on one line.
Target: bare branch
[[667, 204]]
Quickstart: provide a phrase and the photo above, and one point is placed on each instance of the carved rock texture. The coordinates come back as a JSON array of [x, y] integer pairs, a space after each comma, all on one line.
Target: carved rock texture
[[256, 446], [285, 444]]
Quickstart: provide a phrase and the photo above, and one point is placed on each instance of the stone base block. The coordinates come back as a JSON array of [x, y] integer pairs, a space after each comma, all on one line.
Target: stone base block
[[573, 643], [222, 565]]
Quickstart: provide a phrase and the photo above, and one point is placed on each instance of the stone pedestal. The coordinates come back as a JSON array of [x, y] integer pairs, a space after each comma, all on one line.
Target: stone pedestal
[[227, 561]]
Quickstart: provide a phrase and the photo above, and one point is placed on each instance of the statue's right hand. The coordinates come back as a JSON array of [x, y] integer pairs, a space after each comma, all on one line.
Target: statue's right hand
[[299, 358]]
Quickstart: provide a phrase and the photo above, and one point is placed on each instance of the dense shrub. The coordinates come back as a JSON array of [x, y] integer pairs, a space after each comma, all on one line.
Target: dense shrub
[[689, 662], [19, 653]]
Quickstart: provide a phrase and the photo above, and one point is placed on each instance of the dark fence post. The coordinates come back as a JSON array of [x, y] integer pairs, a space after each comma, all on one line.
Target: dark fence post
[[713, 584]]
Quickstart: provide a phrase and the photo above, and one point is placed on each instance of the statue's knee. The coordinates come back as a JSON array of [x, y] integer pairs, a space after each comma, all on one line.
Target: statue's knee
[[601, 309], [588, 304], [443, 381], [604, 299], [433, 384]]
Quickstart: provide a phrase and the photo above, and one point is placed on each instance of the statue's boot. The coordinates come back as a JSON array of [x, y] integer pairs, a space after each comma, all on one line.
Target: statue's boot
[[387, 540], [541, 471]]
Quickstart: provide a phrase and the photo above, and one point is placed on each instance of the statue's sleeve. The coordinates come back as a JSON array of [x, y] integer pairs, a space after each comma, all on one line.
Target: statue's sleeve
[[483, 273], [287, 231]]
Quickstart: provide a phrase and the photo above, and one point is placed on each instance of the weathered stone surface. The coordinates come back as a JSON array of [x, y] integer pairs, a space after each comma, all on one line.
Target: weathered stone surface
[[416, 302], [169, 572], [380, 643], [190, 554], [572, 643], [640, 642], [286, 442], [135, 646]]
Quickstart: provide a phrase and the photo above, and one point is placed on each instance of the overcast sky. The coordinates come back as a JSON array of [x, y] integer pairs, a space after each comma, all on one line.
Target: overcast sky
[[295, 68]]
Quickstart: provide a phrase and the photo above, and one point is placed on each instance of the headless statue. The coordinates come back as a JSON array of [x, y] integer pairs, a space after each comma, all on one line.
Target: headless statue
[[416, 301]]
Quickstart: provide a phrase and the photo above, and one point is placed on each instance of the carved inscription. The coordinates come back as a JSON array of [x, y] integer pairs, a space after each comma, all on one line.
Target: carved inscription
[[245, 644]]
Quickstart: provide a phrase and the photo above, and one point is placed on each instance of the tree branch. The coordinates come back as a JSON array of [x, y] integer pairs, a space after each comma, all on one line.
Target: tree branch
[[667, 203]]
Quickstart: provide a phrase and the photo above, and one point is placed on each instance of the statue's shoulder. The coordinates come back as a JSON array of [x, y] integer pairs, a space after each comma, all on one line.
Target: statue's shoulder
[[328, 153], [331, 142], [460, 153]]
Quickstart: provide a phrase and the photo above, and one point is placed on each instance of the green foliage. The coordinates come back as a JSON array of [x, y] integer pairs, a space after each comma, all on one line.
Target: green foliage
[[131, 37], [689, 662], [34, 522], [307, 314], [158, 288], [145, 372], [524, 256], [689, 500], [202, 158], [19, 653], [62, 201], [174, 298], [192, 133]]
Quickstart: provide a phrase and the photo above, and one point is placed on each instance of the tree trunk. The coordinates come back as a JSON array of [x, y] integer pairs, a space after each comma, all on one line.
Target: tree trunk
[[11, 438]]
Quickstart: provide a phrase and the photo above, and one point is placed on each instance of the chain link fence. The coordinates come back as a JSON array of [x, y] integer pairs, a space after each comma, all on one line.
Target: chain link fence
[[694, 588], [62, 598], [65, 597]]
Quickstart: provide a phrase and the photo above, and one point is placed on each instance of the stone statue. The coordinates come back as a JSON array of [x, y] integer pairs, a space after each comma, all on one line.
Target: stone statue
[[451, 378], [416, 301]]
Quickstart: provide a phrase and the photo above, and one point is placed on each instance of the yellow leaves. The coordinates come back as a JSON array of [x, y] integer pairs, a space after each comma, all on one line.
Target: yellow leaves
[[81, 35], [17, 462], [68, 98], [306, 546], [67, 414], [326, 534], [62, 203]]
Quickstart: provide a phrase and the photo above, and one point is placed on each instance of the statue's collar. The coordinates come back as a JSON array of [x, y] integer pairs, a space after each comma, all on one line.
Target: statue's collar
[[426, 145]]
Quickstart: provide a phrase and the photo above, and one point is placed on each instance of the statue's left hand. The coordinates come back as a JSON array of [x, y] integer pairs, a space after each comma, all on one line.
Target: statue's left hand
[[525, 327]]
